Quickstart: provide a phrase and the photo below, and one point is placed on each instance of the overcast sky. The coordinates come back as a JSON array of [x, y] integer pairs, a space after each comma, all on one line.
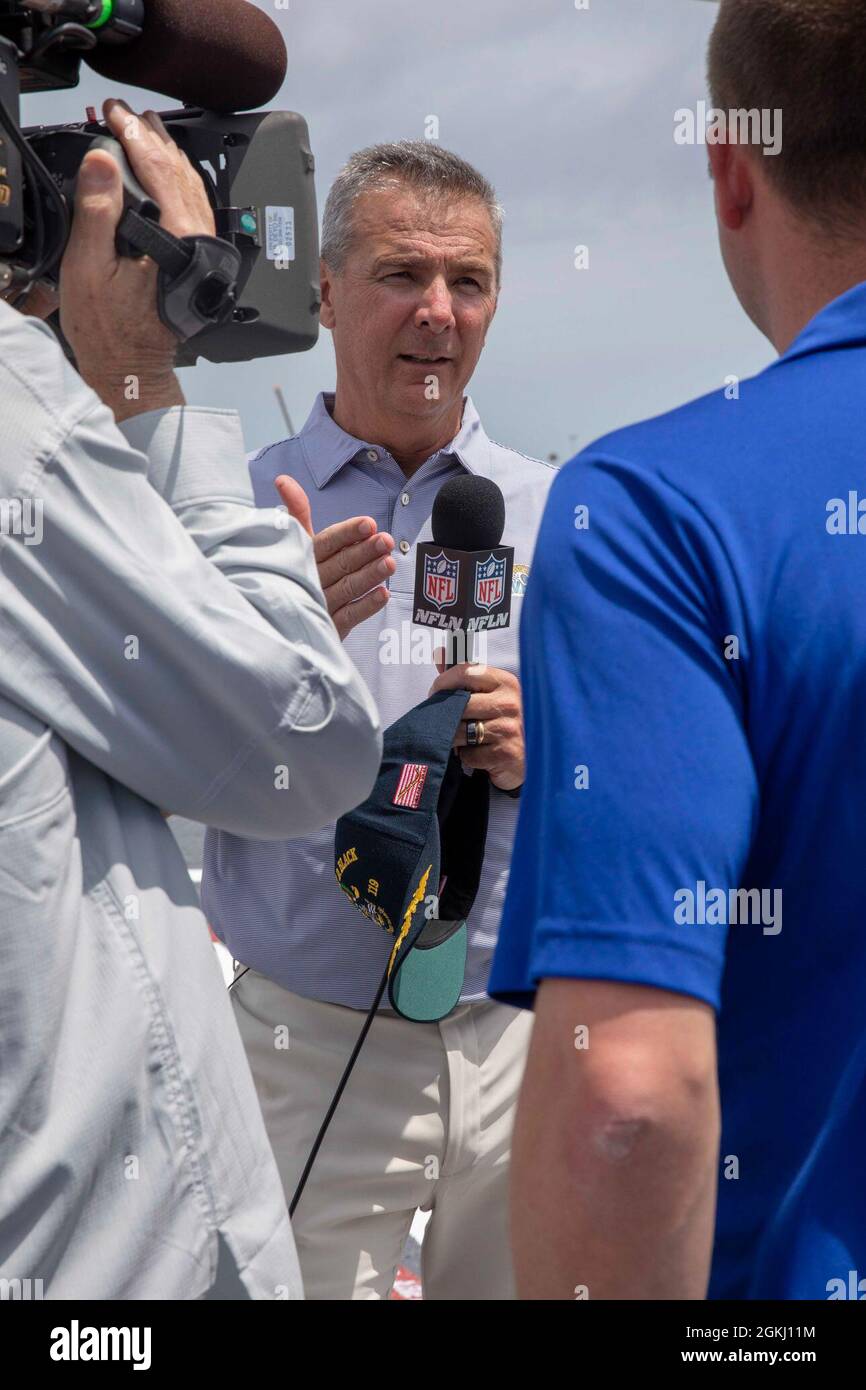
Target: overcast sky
[[570, 113]]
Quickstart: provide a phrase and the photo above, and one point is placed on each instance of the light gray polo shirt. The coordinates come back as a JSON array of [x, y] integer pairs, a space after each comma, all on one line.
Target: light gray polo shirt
[[277, 906]]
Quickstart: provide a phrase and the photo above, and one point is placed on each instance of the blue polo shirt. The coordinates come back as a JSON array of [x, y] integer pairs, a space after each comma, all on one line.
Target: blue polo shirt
[[276, 904], [693, 652]]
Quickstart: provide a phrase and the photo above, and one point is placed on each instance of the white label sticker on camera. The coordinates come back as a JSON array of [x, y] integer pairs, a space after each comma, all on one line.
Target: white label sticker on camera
[[280, 233]]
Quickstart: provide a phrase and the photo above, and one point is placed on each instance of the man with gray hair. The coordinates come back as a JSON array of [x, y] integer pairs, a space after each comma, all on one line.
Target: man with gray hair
[[411, 260]]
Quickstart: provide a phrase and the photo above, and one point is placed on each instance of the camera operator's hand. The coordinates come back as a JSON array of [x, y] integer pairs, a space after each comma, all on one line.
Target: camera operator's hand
[[108, 302]]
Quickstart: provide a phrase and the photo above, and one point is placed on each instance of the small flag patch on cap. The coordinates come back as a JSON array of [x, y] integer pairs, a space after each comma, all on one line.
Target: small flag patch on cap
[[411, 785]]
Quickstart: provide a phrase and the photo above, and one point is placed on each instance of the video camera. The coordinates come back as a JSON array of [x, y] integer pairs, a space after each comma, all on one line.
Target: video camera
[[251, 291]]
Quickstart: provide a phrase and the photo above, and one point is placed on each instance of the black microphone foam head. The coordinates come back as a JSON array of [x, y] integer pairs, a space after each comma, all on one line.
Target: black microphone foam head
[[469, 514], [223, 55]]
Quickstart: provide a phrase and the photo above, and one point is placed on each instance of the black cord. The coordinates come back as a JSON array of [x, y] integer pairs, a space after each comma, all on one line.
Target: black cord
[[238, 977], [337, 1094], [323, 1129]]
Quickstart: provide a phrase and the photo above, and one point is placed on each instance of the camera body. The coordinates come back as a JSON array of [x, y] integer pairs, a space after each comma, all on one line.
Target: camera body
[[257, 168]]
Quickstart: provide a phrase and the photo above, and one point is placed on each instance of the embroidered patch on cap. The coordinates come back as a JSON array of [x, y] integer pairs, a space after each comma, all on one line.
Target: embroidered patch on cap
[[411, 785]]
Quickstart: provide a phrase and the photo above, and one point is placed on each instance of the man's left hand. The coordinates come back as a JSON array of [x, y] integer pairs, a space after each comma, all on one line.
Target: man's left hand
[[497, 703]]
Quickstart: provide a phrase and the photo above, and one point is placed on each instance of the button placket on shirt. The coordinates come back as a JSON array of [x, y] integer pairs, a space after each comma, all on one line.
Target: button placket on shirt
[[410, 513], [400, 520], [405, 523]]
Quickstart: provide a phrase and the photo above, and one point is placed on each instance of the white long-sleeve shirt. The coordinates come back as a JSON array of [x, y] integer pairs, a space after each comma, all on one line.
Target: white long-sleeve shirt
[[163, 646]]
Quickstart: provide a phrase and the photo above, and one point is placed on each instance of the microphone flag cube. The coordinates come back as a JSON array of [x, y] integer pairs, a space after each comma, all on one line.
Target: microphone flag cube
[[463, 591]]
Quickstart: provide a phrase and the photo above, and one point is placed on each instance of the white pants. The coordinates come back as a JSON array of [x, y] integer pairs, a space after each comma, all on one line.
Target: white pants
[[425, 1121]]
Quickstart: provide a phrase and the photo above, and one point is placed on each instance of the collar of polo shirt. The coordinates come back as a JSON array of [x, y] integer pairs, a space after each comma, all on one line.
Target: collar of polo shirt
[[328, 448]]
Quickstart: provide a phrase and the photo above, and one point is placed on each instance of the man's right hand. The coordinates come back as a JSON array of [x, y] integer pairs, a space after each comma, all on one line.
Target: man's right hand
[[108, 303], [353, 559]]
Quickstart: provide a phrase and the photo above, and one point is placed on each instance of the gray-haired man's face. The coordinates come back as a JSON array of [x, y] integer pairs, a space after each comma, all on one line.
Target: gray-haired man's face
[[412, 304]]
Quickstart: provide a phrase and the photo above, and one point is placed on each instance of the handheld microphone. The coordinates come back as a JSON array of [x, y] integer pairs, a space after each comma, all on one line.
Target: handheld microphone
[[463, 576], [221, 55]]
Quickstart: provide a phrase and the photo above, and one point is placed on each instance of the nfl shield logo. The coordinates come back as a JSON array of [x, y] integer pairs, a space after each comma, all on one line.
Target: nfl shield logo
[[489, 582], [440, 580]]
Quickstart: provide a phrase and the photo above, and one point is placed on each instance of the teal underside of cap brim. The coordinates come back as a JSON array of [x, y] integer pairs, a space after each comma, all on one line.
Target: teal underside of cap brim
[[428, 984]]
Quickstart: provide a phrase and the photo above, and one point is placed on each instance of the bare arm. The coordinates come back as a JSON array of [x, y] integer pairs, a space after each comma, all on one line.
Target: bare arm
[[615, 1150]]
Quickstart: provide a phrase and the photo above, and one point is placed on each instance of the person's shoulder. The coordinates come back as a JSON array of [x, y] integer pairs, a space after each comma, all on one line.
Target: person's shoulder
[[279, 456], [667, 473], [525, 467], [272, 460], [525, 482], [525, 485], [697, 432], [283, 456]]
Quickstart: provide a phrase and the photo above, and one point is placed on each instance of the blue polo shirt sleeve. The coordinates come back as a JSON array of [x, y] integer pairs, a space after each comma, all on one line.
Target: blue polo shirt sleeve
[[640, 785]]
